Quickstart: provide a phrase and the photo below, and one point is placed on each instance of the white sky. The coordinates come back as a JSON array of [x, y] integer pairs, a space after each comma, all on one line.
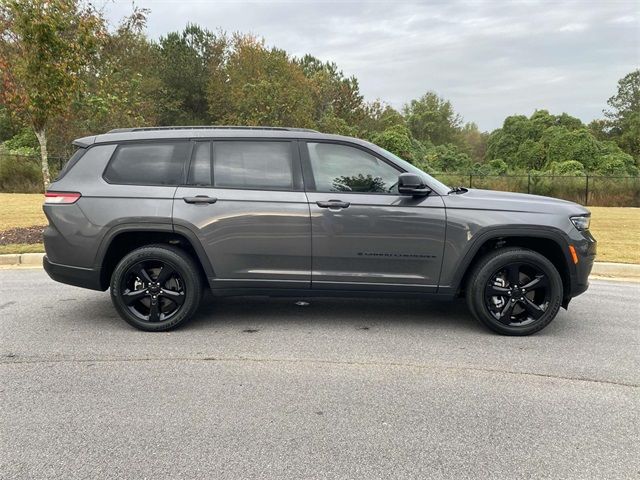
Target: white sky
[[490, 58]]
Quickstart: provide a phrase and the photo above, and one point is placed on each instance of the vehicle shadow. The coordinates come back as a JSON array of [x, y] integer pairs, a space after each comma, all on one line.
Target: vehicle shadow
[[363, 313]]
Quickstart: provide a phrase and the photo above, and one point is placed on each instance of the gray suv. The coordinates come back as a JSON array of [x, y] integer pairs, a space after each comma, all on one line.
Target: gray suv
[[155, 214]]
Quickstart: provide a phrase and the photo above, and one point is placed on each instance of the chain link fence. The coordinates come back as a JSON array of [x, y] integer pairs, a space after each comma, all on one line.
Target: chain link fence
[[19, 173]]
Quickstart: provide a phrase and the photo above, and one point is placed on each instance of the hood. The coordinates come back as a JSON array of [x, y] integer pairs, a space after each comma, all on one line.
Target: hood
[[515, 202]]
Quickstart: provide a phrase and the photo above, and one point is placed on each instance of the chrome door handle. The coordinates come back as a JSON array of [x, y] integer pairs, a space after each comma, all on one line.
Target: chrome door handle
[[333, 204], [200, 199]]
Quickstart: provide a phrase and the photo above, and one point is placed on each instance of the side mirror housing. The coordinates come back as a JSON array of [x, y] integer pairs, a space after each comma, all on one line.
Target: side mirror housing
[[412, 184]]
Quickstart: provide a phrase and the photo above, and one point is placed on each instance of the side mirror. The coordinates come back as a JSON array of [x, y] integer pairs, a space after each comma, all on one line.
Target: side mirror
[[412, 184]]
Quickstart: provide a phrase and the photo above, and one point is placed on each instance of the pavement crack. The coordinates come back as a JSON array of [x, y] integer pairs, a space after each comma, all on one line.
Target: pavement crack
[[310, 361]]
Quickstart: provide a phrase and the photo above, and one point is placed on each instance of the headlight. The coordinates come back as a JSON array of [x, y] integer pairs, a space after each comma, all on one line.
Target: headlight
[[582, 222]]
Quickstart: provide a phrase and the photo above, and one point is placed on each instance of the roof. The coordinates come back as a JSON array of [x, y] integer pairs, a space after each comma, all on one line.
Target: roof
[[187, 132]]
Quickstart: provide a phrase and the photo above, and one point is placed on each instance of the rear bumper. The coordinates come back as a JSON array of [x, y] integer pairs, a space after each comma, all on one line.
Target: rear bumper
[[76, 276]]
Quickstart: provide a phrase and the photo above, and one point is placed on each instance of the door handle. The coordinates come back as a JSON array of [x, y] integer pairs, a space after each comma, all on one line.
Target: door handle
[[200, 199], [333, 204]]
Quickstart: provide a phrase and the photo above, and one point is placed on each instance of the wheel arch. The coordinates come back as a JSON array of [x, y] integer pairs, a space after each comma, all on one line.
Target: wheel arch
[[123, 239], [549, 242]]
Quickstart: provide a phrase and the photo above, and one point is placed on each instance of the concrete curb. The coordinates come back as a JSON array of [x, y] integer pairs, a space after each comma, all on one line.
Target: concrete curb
[[21, 259], [607, 269], [600, 269]]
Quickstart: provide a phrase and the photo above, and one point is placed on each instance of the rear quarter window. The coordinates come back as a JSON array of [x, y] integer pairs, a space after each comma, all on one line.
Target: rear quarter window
[[150, 163], [71, 162]]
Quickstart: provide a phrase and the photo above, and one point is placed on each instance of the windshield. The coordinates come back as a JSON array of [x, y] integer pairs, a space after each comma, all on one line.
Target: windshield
[[413, 169]]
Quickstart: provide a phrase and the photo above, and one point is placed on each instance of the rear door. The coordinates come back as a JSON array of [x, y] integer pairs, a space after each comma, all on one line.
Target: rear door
[[245, 202], [365, 236]]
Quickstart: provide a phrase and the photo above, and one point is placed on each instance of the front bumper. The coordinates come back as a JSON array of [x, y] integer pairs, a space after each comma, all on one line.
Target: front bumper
[[586, 248], [77, 276]]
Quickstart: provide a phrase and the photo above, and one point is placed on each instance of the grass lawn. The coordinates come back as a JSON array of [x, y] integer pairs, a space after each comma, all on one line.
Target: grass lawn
[[616, 229]]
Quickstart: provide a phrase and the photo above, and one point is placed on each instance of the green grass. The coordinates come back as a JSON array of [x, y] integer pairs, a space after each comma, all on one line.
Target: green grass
[[617, 229], [22, 248]]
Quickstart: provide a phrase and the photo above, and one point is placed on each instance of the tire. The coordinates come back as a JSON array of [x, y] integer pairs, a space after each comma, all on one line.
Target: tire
[[156, 288], [514, 291]]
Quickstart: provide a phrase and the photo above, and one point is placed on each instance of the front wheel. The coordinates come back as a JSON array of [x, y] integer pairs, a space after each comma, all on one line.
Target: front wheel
[[515, 291], [156, 288]]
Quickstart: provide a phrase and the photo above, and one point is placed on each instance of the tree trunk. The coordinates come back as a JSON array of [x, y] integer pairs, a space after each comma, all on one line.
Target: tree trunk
[[44, 158]]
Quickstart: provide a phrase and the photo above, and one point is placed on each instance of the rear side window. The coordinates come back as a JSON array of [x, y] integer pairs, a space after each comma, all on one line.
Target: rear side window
[[71, 162], [253, 165], [200, 169], [152, 163]]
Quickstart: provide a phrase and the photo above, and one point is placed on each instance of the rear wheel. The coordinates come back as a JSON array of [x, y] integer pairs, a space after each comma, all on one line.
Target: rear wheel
[[156, 288], [515, 291]]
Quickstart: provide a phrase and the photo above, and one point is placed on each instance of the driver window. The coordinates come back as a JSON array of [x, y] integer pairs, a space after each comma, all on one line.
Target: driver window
[[340, 168]]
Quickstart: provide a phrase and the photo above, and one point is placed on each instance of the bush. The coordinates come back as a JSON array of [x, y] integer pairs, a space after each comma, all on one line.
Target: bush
[[19, 173]]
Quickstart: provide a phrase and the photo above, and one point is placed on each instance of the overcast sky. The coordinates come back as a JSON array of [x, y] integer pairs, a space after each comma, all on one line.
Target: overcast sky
[[490, 58]]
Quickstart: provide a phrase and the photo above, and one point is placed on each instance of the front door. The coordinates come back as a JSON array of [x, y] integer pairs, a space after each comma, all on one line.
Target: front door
[[245, 202], [365, 236]]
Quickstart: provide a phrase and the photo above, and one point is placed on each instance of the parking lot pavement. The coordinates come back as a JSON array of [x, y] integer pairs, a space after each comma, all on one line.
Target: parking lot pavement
[[342, 388]]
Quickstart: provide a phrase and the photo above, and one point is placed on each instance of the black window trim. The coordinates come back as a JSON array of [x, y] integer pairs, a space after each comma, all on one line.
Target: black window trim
[[187, 176], [307, 170], [138, 142]]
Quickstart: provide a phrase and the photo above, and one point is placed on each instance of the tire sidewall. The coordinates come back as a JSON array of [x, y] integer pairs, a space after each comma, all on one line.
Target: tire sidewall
[[177, 260], [492, 264]]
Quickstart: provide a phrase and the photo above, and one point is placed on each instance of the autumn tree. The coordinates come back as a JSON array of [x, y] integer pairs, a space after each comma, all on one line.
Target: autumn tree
[[256, 85], [45, 47]]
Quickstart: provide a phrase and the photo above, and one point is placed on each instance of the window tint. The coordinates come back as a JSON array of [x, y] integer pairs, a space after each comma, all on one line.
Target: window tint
[[260, 165], [71, 162], [148, 163], [340, 168], [200, 170]]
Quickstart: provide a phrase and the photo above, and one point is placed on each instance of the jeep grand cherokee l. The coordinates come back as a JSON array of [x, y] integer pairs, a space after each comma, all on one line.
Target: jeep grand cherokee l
[[155, 214]]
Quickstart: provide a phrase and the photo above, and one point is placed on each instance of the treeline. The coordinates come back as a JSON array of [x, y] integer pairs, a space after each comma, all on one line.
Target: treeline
[[65, 74]]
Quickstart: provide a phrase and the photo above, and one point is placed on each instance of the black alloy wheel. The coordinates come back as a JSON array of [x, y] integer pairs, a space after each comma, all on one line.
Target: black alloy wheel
[[514, 291], [152, 290], [517, 294], [157, 287]]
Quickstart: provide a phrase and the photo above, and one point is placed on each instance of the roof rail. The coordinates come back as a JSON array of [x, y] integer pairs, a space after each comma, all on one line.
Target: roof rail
[[209, 127]]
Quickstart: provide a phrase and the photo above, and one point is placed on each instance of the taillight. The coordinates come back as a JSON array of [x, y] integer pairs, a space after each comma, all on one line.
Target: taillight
[[61, 197]]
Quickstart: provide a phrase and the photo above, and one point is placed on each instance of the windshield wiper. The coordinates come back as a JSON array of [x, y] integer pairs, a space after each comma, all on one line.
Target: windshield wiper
[[459, 190]]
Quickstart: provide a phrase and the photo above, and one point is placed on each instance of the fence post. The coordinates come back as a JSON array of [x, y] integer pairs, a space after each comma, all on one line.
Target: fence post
[[470, 179], [586, 192], [529, 182]]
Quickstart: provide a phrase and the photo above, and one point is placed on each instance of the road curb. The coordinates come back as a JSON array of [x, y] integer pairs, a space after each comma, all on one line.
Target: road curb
[[600, 269], [21, 259], [609, 269]]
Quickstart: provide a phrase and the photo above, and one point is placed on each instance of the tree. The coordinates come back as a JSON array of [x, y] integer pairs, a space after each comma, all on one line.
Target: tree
[[432, 118], [397, 139], [45, 46], [623, 118], [334, 94], [446, 158], [260, 86], [377, 117], [184, 62], [474, 141], [121, 89], [531, 155]]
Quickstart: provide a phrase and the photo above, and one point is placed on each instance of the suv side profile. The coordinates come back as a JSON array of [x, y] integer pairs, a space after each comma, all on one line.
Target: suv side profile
[[155, 214]]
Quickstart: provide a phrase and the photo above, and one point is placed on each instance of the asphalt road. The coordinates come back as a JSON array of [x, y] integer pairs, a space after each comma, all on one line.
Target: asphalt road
[[259, 388]]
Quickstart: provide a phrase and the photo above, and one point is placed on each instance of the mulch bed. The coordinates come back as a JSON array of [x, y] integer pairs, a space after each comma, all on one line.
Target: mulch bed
[[22, 235]]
